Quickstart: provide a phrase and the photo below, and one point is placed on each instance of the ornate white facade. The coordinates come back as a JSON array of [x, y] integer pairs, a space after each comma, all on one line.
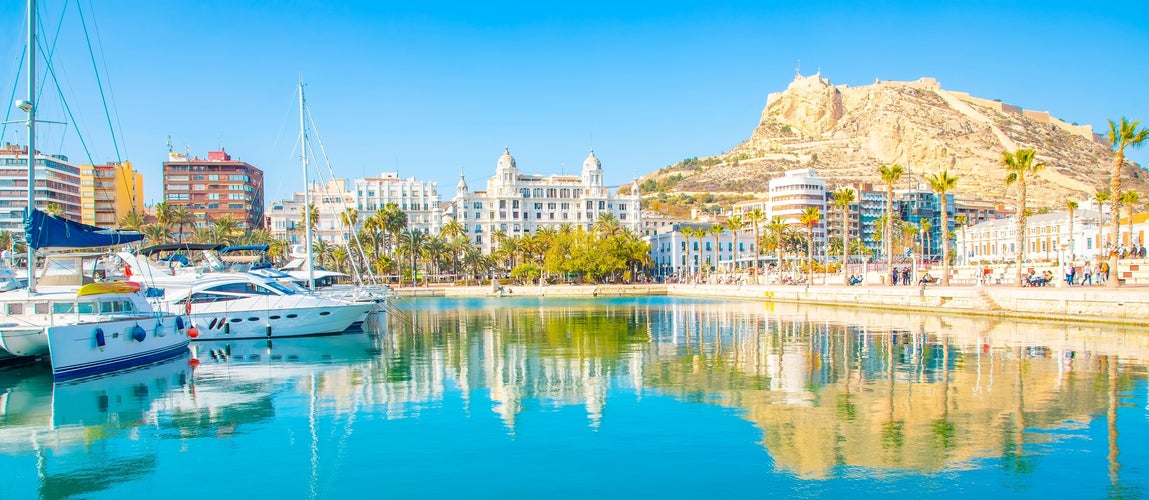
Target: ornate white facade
[[518, 204]]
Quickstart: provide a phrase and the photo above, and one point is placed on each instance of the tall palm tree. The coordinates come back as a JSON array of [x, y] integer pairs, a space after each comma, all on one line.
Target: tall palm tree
[[809, 220], [688, 232], [224, 229], [891, 174], [734, 224], [716, 231], [943, 182], [1124, 135], [181, 215], [844, 197], [776, 229], [1072, 207], [755, 218], [1018, 165], [1130, 199], [349, 217], [164, 213], [132, 221]]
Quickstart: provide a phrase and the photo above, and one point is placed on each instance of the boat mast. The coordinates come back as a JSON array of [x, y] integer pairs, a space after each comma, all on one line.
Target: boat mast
[[29, 106], [306, 190]]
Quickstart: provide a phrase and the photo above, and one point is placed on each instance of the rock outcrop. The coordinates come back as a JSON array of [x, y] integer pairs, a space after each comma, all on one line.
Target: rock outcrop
[[846, 133]]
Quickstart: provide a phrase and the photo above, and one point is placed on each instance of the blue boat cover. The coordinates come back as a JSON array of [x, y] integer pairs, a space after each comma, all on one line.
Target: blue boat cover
[[42, 230]]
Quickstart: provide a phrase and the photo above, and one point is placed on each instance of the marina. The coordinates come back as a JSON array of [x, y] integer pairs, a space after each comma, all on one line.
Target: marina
[[630, 395]]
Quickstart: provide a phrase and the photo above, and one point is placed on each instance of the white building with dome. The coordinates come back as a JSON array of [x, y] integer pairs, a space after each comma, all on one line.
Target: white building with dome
[[518, 204]]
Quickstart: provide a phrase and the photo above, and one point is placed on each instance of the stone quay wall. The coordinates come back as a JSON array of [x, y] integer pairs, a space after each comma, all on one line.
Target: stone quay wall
[[1125, 306]]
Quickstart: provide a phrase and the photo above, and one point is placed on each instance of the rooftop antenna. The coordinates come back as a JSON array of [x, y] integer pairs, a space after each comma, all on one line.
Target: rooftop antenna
[[798, 69], [169, 144], [219, 141]]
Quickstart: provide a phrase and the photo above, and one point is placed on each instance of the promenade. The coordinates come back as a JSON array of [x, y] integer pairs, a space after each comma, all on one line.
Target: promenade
[[1128, 305]]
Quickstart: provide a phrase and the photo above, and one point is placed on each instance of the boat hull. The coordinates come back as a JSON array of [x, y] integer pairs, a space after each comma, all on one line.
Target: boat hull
[[288, 318], [75, 349]]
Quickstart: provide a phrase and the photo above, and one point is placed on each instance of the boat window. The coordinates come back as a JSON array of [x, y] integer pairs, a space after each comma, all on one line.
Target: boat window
[[86, 307], [42, 307], [105, 307], [204, 298], [62, 307], [16, 308], [282, 289], [231, 288]]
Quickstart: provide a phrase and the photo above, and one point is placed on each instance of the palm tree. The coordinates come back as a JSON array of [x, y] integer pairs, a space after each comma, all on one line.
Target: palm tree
[[164, 213], [943, 182], [777, 229], [349, 217], [1102, 197], [132, 221], [310, 217], [181, 215], [1123, 135], [54, 209], [809, 220], [224, 229], [607, 225], [687, 233], [891, 174], [715, 230], [156, 233], [1072, 207], [1018, 165], [755, 218], [1130, 198], [734, 224], [962, 220], [843, 197]]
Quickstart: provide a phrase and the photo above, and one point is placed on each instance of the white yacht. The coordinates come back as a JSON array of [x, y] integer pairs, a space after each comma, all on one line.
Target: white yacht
[[226, 305]]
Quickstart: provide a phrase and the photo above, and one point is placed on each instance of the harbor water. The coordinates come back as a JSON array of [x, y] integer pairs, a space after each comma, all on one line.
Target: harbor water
[[662, 397]]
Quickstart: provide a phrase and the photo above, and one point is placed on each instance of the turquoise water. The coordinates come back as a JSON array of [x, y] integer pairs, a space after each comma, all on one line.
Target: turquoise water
[[632, 397]]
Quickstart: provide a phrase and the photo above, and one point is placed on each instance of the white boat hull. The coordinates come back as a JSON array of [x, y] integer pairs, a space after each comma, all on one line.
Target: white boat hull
[[75, 349], [290, 316]]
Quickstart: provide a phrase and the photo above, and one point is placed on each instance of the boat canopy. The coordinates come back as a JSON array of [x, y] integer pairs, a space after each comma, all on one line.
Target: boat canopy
[[178, 247], [42, 230]]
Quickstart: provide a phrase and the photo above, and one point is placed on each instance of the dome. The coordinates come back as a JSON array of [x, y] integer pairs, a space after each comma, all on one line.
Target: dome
[[506, 161], [462, 187], [591, 162]]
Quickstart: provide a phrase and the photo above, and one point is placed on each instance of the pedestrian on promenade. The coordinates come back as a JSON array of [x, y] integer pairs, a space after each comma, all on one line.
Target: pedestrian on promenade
[[906, 276], [1067, 270], [1102, 272], [1087, 273], [893, 276]]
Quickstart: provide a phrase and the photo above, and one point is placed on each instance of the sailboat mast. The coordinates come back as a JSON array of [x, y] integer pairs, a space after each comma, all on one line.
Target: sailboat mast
[[30, 104], [306, 190]]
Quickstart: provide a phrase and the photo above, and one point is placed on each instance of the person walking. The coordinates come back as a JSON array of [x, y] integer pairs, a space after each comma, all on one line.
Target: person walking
[[1067, 271], [1102, 272], [906, 276], [1087, 274]]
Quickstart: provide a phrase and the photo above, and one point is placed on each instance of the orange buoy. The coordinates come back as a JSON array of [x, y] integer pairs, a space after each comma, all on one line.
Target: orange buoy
[[193, 332], [194, 362]]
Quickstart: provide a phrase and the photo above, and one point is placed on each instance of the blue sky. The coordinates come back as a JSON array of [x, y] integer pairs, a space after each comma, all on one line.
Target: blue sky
[[431, 88]]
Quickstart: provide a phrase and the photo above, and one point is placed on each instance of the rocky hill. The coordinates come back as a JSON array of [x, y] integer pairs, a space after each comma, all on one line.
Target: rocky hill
[[847, 132]]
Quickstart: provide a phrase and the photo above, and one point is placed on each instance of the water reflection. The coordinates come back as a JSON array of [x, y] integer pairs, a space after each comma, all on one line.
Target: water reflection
[[835, 393]]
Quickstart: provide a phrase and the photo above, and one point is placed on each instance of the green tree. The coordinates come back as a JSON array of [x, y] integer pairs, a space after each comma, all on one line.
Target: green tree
[[844, 197], [943, 182], [809, 220], [132, 221], [755, 218], [1121, 135], [180, 215], [891, 174], [734, 224], [1019, 165]]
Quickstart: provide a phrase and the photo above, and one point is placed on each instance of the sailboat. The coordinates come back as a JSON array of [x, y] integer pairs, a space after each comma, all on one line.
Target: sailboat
[[302, 266], [83, 326]]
